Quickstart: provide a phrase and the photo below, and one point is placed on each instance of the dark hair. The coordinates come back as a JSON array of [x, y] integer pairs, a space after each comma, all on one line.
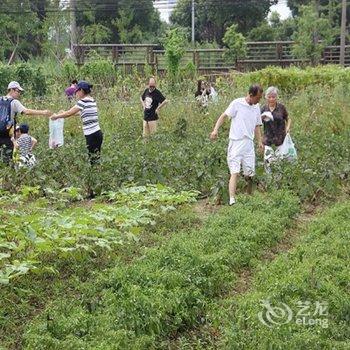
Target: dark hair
[[24, 128], [74, 81], [199, 88], [255, 89]]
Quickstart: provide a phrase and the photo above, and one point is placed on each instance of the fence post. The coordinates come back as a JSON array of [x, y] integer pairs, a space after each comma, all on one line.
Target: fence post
[[151, 56], [156, 64], [114, 54], [196, 61], [79, 54], [279, 52]]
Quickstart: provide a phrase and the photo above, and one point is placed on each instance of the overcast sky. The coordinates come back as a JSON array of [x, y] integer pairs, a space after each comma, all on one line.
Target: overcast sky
[[282, 9]]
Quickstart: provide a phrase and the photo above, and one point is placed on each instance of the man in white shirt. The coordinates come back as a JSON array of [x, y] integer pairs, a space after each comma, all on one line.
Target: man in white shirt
[[10, 106], [245, 124]]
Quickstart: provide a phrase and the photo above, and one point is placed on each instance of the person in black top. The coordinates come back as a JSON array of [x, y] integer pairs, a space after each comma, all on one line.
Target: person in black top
[[152, 101]]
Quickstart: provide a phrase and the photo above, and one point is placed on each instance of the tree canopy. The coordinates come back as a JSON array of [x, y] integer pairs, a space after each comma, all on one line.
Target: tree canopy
[[34, 27], [214, 16]]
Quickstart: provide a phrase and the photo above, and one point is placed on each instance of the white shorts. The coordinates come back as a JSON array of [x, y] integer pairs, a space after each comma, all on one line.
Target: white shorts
[[241, 152]]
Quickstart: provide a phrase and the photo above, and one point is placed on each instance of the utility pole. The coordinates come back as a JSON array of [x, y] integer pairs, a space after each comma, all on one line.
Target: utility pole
[[73, 26], [193, 38], [342, 33]]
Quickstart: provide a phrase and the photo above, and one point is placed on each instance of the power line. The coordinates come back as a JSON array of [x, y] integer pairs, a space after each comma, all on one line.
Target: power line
[[111, 5]]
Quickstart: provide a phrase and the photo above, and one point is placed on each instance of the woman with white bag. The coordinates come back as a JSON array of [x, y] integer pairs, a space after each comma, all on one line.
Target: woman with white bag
[[277, 124]]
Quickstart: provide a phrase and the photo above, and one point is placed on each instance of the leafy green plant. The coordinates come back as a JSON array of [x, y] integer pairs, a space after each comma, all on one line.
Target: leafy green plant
[[166, 289], [313, 34], [235, 43], [174, 44], [308, 275]]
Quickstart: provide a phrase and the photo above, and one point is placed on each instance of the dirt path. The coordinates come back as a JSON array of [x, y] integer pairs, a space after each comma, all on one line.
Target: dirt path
[[245, 277]]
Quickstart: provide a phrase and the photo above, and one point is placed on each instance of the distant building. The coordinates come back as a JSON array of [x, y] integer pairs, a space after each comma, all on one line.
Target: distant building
[[165, 8]]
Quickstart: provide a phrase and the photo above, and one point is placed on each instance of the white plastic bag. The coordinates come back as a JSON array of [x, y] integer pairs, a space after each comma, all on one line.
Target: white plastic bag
[[287, 149], [56, 133]]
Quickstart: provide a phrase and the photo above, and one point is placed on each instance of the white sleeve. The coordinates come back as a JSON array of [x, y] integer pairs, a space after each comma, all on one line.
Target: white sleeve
[[17, 106], [79, 105], [231, 110], [258, 118]]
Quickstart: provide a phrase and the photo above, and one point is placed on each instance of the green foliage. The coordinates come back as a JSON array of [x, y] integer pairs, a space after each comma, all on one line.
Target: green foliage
[[39, 83], [264, 32], [70, 70], [18, 26], [55, 32], [100, 274], [295, 79], [41, 27], [167, 289], [213, 20], [236, 44], [27, 237], [189, 71], [121, 20], [316, 270], [32, 79], [96, 34], [174, 44], [312, 36], [127, 32], [99, 70]]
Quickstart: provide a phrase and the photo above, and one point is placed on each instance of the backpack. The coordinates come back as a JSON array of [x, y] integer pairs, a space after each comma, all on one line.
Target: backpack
[[5, 116]]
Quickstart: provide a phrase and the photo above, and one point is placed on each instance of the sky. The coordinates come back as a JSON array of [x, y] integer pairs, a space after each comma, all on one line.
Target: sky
[[282, 9]]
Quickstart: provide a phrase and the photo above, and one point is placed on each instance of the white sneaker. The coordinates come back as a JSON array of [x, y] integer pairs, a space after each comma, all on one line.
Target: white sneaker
[[232, 201]]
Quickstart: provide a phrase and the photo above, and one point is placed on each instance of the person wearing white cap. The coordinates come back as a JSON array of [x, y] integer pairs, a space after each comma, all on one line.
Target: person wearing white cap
[[10, 106]]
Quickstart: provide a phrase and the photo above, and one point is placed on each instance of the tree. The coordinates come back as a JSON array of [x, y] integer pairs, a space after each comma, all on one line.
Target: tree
[[55, 34], [128, 33], [174, 44], [127, 20], [18, 26], [313, 34], [96, 34], [328, 8], [236, 44], [273, 29], [213, 17], [264, 32]]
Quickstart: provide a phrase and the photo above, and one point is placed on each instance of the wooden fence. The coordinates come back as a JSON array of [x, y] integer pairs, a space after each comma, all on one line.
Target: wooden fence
[[259, 55]]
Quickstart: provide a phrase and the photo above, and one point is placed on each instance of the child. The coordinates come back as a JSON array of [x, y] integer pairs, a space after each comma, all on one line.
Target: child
[[24, 144]]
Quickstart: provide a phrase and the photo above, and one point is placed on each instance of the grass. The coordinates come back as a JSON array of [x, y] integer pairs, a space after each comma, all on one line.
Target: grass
[[168, 289], [311, 279]]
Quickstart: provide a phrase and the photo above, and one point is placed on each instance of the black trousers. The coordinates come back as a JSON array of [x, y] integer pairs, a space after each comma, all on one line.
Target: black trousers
[[6, 150], [93, 144]]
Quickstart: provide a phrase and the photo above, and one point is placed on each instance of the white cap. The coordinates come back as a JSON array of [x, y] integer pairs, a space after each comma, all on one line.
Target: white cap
[[14, 85]]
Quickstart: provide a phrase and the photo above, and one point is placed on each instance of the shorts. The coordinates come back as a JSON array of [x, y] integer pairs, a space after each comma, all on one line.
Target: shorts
[[241, 152]]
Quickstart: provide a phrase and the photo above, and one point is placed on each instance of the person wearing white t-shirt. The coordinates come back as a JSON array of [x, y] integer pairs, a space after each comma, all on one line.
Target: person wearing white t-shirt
[[11, 106], [245, 125]]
